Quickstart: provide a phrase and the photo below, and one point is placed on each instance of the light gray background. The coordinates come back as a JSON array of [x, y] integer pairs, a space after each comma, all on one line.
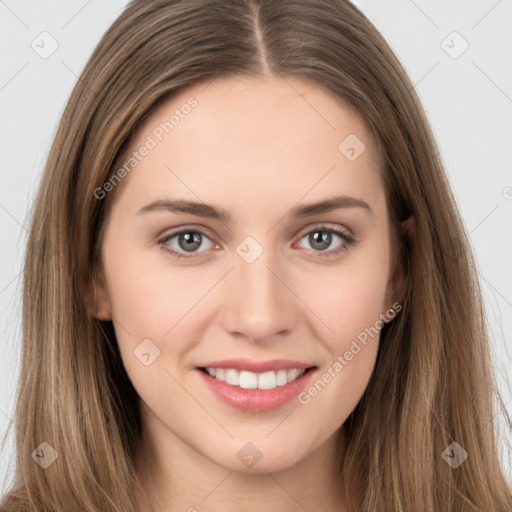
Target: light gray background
[[468, 100]]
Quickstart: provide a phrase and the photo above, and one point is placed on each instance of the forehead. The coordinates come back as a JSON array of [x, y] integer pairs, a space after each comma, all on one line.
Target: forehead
[[260, 136]]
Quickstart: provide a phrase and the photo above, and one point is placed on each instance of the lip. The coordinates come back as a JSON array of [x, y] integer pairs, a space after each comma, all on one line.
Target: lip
[[258, 366], [256, 400]]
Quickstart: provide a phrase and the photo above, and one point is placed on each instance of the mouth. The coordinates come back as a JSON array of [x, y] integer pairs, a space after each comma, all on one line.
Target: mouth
[[251, 380], [240, 384]]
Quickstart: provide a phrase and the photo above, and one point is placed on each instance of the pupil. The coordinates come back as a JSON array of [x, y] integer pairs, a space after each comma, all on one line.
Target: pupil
[[192, 241], [320, 237]]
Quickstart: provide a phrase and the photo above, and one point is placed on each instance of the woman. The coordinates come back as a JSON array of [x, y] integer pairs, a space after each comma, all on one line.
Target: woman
[[313, 339]]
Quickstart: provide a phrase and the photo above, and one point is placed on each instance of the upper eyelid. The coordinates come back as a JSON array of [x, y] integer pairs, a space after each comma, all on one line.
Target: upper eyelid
[[204, 231], [323, 225]]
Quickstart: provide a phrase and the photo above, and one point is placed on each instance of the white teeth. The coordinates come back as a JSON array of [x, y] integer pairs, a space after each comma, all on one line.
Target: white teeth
[[267, 380], [251, 380], [248, 380], [232, 377], [293, 374], [282, 377]]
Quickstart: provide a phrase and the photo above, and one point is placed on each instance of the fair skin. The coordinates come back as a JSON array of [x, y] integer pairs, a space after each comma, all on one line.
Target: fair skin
[[256, 147]]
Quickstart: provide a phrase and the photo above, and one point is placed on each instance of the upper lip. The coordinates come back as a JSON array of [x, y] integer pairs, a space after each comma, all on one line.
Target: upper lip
[[257, 366]]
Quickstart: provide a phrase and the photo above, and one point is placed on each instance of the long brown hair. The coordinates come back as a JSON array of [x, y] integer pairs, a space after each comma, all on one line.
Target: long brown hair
[[432, 385]]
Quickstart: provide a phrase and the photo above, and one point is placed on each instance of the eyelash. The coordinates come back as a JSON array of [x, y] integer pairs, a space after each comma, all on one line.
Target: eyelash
[[348, 241]]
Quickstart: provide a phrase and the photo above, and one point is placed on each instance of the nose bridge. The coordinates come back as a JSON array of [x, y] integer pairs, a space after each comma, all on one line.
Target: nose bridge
[[260, 305]]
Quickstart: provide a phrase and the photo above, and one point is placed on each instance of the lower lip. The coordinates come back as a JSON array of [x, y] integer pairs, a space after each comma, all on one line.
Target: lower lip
[[256, 400]]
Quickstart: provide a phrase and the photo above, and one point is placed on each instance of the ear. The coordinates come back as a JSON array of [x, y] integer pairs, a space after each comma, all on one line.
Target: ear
[[396, 288], [408, 226], [100, 306]]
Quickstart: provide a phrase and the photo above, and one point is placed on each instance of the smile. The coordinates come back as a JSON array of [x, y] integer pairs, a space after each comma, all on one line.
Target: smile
[[256, 386], [251, 380]]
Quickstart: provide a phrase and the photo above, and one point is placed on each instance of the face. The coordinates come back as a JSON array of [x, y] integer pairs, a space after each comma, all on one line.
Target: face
[[244, 325]]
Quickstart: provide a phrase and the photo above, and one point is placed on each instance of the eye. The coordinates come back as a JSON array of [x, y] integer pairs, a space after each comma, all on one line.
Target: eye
[[187, 241], [322, 237]]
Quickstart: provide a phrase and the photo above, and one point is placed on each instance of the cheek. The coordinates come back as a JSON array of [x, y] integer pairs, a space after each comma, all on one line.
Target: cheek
[[349, 297], [349, 300], [151, 302], [151, 308], [149, 292]]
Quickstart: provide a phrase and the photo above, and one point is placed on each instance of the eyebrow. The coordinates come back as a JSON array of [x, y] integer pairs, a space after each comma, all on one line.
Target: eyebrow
[[215, 212]]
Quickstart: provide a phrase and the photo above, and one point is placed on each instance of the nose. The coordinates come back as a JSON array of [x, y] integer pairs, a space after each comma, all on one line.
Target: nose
[[260, 303]]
